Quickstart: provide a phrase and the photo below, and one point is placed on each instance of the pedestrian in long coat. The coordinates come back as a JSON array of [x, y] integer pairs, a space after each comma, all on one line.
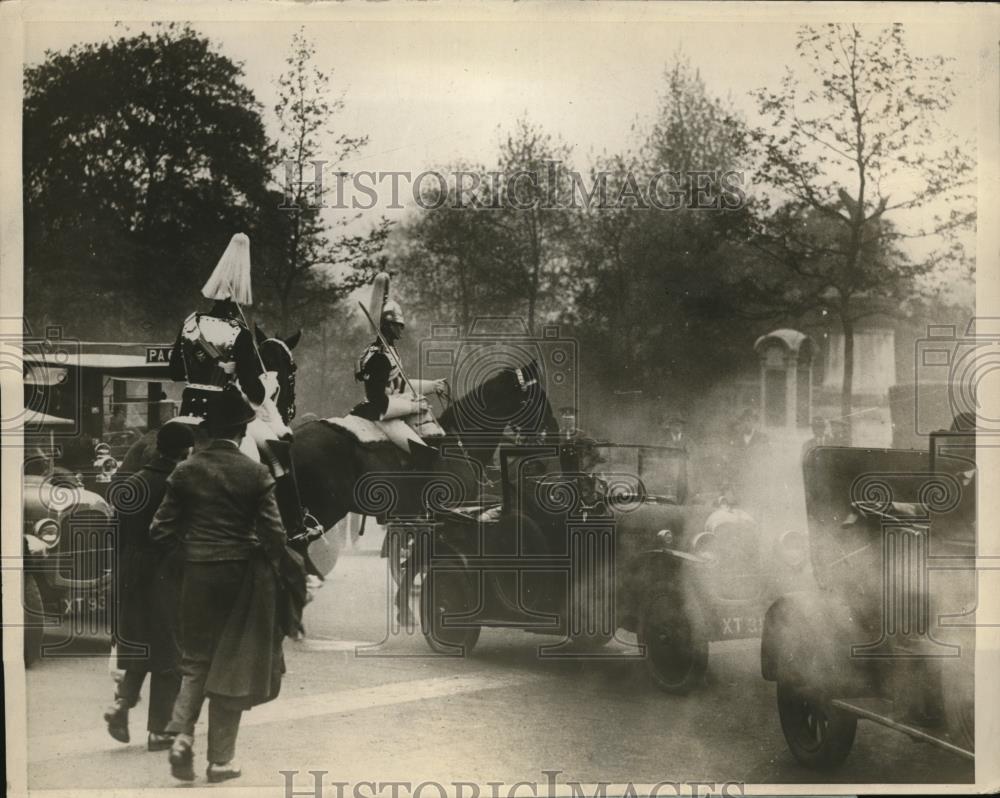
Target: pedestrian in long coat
[[239, 579], [148, 581]]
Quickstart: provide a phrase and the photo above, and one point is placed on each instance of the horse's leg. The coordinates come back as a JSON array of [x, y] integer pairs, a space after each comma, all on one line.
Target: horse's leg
[[324, 465]]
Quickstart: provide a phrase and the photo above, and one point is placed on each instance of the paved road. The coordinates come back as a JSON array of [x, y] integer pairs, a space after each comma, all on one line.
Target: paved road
[[389, 712]]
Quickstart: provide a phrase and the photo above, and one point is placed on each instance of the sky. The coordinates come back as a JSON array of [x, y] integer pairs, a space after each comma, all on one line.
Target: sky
[[429, 92]]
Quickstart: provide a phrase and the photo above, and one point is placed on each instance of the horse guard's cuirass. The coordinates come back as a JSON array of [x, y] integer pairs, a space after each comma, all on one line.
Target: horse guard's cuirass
[[396, 384], [207, 342]]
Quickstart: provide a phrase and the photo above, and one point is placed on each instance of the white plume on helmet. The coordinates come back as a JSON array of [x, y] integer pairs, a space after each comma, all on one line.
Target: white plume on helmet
[[231, 277], [381, 307]]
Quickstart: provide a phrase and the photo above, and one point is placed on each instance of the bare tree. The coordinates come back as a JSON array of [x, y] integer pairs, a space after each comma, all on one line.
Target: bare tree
[[853, 140], [307, 270], [534, 194]]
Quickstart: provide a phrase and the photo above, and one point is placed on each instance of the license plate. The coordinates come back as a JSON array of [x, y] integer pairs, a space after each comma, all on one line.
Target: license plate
[[737, 626], [76, 605]]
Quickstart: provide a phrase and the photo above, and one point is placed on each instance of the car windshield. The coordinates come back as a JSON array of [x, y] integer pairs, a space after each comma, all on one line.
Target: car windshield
[[661, 469]]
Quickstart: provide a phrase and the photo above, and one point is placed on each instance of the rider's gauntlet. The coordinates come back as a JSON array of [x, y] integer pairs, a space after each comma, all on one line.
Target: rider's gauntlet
[[400, 406]]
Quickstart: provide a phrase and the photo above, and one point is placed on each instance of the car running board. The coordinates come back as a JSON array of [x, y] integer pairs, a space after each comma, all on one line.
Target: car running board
[[866, 708]]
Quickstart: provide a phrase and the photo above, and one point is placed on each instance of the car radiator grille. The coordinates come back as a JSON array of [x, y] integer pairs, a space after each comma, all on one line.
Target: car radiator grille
[[87, 546], [739, 571]]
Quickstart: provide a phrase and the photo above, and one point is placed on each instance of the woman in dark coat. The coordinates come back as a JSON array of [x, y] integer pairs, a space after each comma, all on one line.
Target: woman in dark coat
[[149, 578]]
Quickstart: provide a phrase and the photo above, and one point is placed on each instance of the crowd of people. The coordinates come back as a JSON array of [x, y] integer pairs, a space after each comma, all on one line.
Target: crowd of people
[[211, 537], [208, 584], [211, 577], [208, 590]]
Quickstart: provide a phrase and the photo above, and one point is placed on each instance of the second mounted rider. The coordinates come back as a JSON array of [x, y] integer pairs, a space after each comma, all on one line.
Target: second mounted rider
[[397, 404]]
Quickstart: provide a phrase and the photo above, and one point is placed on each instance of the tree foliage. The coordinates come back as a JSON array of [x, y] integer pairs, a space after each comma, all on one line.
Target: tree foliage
[[857, 163], [142, 155], [493, 240], [308, 272], [648, 280]]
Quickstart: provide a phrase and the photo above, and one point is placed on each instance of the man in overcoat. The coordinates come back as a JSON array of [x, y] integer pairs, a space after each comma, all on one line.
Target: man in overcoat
[[238, 576], [149, 578]]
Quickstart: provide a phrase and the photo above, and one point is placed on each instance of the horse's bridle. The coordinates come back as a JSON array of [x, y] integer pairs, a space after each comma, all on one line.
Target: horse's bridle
[[445, 396], [292, 368]]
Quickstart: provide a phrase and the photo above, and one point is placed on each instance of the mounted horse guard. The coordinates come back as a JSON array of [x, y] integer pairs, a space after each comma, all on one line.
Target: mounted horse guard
[[394, 403], [216, 352]]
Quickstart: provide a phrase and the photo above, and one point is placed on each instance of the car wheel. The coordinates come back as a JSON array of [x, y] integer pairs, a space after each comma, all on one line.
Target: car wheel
[[676, 643], [819, 735], [444, 595], [34, 614]]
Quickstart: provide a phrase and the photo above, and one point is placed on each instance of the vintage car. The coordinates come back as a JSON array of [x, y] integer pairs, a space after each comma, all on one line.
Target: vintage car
[[887, 634], [68, 549], [583, 553]]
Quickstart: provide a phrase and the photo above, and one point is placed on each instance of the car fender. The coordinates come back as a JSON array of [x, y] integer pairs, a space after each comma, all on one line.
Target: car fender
[[669, 571], [807, 639]]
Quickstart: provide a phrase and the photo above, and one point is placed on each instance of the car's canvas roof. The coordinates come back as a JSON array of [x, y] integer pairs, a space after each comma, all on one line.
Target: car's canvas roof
[[115, 359]]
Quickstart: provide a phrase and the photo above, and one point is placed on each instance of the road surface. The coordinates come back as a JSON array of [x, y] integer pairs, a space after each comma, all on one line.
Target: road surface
[[366, 711]]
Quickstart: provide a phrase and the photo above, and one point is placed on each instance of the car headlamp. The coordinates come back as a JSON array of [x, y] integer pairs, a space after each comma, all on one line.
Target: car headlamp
[[705, 546], [666, 537], [793, 548], [47, 531]]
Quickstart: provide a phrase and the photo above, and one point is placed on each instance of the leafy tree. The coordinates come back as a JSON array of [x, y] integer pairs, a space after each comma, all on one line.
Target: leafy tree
[[851, 149], [534, 193], [649, 274], [142, 156], [492, 240], [450, 257], [306, 272]]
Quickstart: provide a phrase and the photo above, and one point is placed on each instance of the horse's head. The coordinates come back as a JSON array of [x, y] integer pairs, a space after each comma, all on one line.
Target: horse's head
[[276, 353], [510, 397]]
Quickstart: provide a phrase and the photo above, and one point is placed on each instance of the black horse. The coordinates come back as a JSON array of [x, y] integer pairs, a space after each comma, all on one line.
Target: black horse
[[338, 475]]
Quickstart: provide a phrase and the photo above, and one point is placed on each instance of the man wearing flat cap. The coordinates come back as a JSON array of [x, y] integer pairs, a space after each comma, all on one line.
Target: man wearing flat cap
[[220, 506]]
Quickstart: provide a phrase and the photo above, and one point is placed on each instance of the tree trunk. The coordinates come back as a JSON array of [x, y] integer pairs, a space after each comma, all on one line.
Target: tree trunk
[[284, 315], [847, 388], [324, 359]]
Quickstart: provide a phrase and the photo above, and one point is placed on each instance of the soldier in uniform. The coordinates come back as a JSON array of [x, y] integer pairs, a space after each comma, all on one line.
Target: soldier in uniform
[[388, 397], [215, 351]]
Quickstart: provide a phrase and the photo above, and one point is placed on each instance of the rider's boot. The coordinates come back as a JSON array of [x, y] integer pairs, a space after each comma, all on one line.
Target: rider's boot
[[298, 523]]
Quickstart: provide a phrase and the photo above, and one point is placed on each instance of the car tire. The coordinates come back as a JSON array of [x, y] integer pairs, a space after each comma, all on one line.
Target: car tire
[[34, 613], [819, 735], [673, 632], [444, 594]]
